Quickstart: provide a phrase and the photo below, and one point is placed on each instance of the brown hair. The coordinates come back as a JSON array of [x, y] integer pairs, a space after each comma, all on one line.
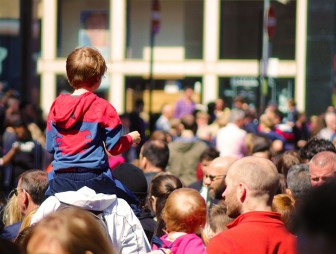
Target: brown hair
[[189, 217], [35, 182], [291, 102], [73, 229], [85, 66], [286, 160], [162, 185], [218, 218]]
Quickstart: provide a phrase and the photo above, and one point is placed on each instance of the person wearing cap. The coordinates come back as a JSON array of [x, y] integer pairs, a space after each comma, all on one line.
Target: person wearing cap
[[126, 173]]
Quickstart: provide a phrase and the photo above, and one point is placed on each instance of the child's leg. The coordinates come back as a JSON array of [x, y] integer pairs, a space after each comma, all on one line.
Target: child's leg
[[99, 181]]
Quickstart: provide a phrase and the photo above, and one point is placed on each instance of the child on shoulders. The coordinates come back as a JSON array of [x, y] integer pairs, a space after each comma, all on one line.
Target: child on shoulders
[[83, 128]]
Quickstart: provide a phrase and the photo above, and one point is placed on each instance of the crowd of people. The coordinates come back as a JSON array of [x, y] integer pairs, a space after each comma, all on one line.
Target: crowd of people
[[207, 179]]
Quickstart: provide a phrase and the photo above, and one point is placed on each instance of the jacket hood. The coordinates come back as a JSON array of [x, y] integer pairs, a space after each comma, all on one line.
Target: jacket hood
[[87, 199], [68, 109]]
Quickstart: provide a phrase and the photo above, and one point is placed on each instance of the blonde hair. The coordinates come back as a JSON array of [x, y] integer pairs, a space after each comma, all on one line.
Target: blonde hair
[[85, 66], [27, 219], [74, 230], [189, 217], [12, 213]]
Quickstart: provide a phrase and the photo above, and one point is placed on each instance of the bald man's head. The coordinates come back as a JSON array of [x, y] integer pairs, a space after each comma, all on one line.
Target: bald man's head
[[168, 111], [215, 174], [257, 173], [223, 163], [322, 167], [255, 179]]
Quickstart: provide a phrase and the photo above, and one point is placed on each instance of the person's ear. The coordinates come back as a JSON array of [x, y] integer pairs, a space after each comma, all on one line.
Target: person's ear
[[181, 127], [143, 162], [152, 202], [289, 192], [242, 192], [27, 198]]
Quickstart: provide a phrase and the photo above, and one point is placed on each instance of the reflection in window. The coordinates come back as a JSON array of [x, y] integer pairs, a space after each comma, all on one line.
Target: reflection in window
[[241, 30]]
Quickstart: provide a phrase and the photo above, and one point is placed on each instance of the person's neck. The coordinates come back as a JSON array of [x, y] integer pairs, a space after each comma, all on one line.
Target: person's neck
[[256, 207], [188, 100], [187, 134], [80, 91], [32, 207], [150, 169], [172, 236]]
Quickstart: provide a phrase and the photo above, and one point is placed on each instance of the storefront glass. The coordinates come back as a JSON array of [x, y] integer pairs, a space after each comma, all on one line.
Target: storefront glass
[[241, 30], [180, 35], [279, 90]]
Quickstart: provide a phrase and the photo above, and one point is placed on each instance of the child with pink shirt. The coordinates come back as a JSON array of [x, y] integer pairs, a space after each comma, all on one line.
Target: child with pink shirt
[[184, 215]]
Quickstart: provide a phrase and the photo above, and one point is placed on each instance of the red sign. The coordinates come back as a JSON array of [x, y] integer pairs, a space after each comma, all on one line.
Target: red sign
[[155, 16], [271, 21]]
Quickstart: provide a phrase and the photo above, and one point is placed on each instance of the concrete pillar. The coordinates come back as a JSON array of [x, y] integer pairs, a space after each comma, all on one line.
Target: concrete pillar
[[48, 48], [210, 49], [300, 57], [118, 46]]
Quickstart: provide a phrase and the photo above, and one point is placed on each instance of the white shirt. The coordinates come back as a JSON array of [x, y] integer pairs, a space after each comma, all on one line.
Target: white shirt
[[230, 141]]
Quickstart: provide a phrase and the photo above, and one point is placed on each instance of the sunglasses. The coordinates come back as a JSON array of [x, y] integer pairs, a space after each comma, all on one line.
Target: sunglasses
[[213, 178], [16, 192]]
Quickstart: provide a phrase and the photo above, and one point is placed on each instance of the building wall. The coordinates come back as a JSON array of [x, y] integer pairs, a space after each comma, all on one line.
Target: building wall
[[181, 50]]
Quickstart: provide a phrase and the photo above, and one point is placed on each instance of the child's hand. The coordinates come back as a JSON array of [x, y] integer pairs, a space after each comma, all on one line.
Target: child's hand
[[135, 137]]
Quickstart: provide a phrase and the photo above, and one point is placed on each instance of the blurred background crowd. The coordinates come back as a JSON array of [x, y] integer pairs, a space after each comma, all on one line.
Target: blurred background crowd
[[186, 145]]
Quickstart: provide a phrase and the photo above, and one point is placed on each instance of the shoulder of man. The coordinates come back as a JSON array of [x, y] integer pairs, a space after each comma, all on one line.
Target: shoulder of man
[[221, 244]]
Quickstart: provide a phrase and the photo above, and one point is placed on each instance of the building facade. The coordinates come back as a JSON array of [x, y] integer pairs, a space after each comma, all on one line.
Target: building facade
[[213, 45]]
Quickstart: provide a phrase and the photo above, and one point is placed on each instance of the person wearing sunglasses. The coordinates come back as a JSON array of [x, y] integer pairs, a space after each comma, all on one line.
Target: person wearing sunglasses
[[214, 178], [30, 195], [251, 183]]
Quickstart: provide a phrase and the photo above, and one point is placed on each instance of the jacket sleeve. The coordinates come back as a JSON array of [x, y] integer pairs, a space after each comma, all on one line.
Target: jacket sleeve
[[125, 230], [50, 137], [122, 145], [114, 141]]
